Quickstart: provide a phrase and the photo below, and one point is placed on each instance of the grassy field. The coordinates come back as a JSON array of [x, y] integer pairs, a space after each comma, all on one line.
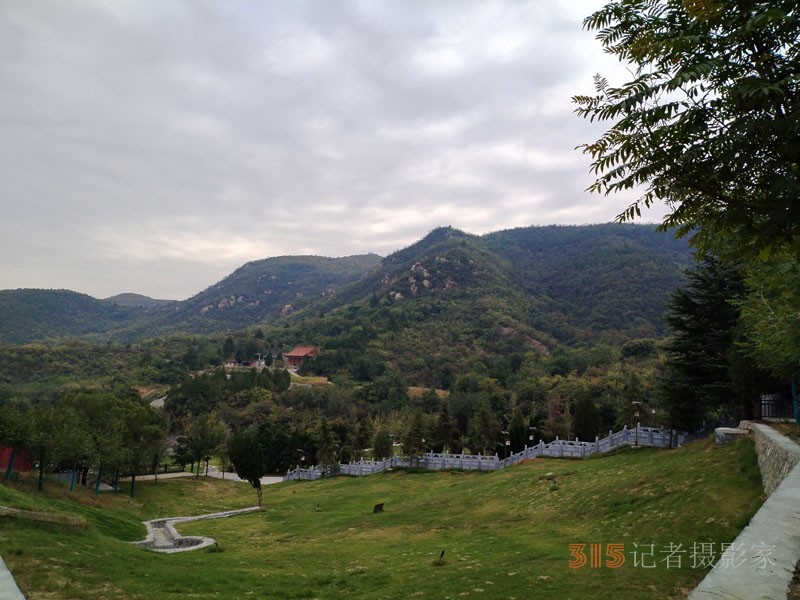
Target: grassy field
[[505, 534]]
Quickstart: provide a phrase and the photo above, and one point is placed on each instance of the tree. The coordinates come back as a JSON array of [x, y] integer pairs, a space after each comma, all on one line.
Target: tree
[[586, 422], [483, 429], [382, 445], [142, 437], [328, 450], [709, 122], [360, 438], [705, 353], [229, 347], [102, 414], [43, 440], [446, 429], [558, 422], [770, 314], [281, 380], [248, 459], [518, 432], [181, 453], [414, 440], [701, 318], [204, 434]]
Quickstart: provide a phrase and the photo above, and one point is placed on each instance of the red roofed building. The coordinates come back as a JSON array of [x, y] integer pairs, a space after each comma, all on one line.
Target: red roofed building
[[295, 357]]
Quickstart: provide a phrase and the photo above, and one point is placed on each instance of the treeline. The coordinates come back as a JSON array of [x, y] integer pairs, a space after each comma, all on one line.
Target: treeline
[[109, 435], [580, 392], [718, 361]]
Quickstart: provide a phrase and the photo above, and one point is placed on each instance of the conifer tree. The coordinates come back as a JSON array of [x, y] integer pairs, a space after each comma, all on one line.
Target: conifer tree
[[446, 430]]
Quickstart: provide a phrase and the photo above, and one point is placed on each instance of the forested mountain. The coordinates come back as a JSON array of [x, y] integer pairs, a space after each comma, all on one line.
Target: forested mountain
[[433, 309], [566, 283], [575, 282], [595, 281], [259, 290], [29, 314]]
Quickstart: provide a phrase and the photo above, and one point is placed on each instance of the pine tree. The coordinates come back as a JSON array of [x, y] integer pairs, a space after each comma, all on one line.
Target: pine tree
[[518, 432], [483, 429], [446, 429], [328, 451], [382, 445], [586, 422], [702, 318], [414, 441]]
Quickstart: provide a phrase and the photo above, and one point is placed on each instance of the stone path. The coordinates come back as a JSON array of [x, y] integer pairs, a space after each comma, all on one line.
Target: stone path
[[162, 536]]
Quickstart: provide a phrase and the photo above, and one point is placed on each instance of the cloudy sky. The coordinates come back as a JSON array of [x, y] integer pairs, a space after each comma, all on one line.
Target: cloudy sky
[[154, 146]]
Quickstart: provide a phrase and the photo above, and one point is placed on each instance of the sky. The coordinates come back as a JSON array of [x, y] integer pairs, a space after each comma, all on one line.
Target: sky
[[154, 146]]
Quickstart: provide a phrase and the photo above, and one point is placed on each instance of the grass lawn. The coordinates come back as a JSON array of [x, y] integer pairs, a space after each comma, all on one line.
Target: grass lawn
[[505, 534], [309, 380]]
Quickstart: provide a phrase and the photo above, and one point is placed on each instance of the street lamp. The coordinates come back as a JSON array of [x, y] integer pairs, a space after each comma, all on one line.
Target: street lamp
[[636, 406]]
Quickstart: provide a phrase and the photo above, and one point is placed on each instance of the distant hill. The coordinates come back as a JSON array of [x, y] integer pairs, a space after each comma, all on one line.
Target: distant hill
[[29, 314], [262, 290], [137, 301], [258, 291], [567, 284]]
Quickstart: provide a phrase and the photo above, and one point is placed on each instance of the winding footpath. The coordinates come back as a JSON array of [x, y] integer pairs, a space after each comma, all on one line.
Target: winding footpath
[[163, 537]]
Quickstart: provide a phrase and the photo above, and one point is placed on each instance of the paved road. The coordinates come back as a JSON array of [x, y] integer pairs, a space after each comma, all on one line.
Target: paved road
[[212, 472]]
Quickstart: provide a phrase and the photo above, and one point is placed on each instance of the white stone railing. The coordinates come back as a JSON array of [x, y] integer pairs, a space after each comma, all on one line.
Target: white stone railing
[[639, 436]]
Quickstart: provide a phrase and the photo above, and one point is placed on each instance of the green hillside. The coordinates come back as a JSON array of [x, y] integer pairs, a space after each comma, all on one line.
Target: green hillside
[[595, 281], [29, 314], [451, 306], [573, 283], [505, 534], [267, 289], [260, 290], [137, 300], [434, 309]]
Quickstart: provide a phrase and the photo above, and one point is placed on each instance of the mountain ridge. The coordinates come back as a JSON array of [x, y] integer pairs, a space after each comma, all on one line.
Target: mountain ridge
[[572, 282]]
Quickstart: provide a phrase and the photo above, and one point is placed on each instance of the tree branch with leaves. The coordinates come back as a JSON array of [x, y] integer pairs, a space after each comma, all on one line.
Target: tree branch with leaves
[[710, 120]]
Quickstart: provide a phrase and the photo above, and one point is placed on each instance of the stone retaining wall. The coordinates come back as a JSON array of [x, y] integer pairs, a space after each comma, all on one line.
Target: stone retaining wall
[[16, 513], [761, 560], [777, 454]]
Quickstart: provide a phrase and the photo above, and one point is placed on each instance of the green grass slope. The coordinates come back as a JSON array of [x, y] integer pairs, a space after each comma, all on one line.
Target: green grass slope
[[505, 534]]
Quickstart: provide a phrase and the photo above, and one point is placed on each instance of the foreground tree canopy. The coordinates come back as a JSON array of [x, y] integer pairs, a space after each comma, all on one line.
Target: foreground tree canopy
[[710, 121]]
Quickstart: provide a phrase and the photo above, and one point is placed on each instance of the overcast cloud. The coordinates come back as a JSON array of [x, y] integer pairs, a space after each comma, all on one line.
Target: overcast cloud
[[154, 146]]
